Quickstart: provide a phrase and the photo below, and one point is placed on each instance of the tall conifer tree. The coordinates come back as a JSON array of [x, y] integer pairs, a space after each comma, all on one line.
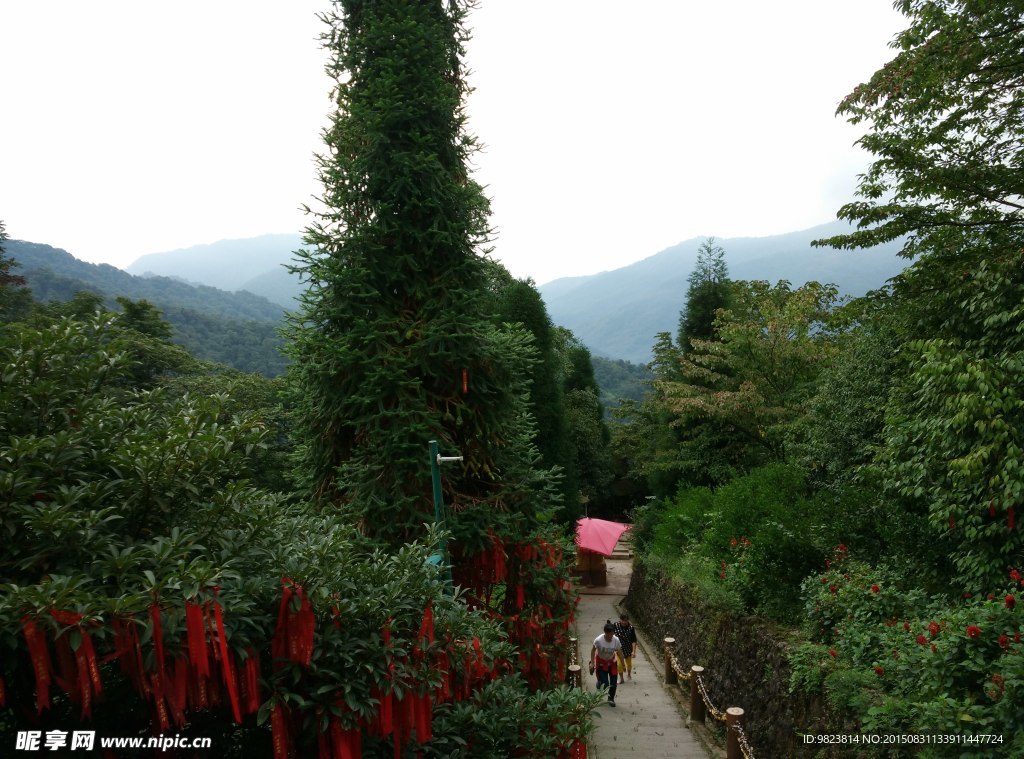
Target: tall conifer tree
[[708, 292], [393, 345]]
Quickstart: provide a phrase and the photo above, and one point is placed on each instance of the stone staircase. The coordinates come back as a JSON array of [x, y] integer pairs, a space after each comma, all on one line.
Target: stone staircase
[[623, 549]]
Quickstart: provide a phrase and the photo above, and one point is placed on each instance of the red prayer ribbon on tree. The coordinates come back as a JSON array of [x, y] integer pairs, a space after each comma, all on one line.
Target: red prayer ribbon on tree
[[196, 632], [227, 669], [279, 731], [41, 665]]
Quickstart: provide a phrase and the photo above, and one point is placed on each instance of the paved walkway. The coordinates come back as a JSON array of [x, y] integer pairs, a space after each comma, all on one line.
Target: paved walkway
[[647, 721]]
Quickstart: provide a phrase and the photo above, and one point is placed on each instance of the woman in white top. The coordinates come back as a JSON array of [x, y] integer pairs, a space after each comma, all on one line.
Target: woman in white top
[[602, 658]]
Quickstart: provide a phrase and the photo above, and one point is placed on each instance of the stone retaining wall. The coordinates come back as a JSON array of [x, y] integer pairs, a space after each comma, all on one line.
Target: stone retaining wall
[[745, 662]]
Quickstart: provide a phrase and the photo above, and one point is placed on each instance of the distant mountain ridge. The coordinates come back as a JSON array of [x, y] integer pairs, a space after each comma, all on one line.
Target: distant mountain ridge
[[618, 313], [168, 292], [239, 329], [615, 313], [255, 265]]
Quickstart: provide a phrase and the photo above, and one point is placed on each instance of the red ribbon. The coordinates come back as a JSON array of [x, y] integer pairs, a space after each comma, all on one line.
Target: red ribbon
[[424, 714], [88, 674], [158, 639], [252, 683], [162, 716], [400, 710], [427, 625], [41, 665], [279, 732], [227, 669], [293, 638], [196, 632], [128, 652]]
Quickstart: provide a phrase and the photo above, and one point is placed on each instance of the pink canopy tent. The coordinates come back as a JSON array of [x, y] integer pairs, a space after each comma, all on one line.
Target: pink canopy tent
[[599, 535]]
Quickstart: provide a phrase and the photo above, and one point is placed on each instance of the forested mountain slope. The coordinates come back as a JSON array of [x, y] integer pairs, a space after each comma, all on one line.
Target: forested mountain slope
[[238, 329], [617, 313]]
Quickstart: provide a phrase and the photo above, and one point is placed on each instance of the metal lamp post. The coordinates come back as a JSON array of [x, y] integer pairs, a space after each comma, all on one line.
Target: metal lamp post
[[440, 558]]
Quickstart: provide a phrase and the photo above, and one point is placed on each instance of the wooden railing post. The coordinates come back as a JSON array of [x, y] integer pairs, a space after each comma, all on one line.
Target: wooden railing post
[[733, 716], [574, 677], [670, 672], [697, 710]]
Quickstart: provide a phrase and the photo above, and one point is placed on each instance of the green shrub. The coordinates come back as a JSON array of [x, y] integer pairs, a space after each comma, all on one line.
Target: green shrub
[[898, 660], [761, 535]]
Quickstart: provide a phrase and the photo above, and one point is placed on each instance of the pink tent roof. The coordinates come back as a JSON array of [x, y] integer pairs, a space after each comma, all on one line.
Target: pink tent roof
[[599, 535]]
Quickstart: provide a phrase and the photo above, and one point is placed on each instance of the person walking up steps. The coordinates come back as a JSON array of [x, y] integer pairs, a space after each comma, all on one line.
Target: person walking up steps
[[626, 634], [602, 658]]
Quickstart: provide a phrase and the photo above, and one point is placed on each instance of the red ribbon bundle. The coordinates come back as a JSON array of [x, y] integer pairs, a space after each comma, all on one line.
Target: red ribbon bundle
[[293, 638], [41, 664], [158, 639], [279, 731], [423, 716], [346, 744], [227, 668], [128, 652], [196, 632], [251, 683]]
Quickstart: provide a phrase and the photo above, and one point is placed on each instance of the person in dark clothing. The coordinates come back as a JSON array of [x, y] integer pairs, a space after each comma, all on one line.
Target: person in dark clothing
[[626, 634]]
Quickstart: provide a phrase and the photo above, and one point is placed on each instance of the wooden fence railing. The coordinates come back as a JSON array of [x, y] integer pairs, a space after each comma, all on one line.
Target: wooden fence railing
[[737, 744]]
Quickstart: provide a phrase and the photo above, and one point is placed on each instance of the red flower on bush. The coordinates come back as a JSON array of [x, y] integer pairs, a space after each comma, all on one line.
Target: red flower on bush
[[990, 597], [1016, 637], [933, 628], [1010, 602], [722, 575], [934, 649], [922, 640], [834, 589], [906, 626], [732, 541], [879, 671], [1004, 640], [833, 653], [1015, 575], [967, 595], [973, 631], [875, 588]]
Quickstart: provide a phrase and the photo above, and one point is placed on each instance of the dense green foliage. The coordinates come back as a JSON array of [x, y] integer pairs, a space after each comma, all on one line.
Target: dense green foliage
[[134, 477], [393, 345], [754, 538], [620, 380], [896, 419], [167, 561], [518, 302]]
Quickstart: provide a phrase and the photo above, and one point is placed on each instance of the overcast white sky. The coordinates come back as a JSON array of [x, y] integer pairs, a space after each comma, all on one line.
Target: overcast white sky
[[611, 129]]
